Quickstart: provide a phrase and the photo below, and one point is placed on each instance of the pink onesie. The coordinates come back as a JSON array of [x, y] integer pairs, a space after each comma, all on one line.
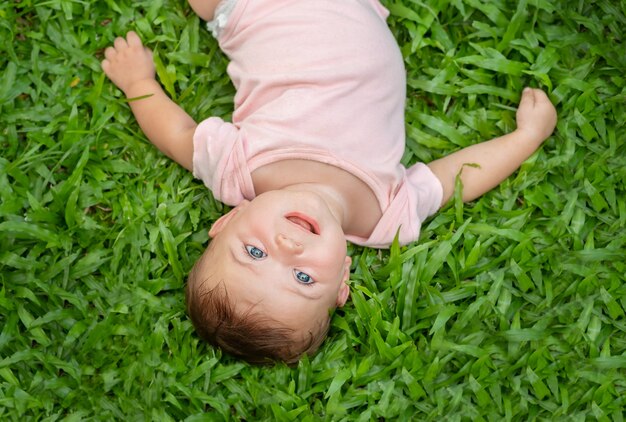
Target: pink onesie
[[320, 80]]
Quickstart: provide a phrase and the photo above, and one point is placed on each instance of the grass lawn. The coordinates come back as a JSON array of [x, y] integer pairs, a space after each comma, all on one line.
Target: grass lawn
[[508, 308]]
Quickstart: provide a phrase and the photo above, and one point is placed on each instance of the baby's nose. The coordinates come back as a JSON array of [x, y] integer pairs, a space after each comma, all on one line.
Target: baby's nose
[[287, 243]]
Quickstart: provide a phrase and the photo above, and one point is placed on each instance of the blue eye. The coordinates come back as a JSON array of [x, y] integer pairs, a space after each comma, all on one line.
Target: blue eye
[[303, 278], [255, 253]]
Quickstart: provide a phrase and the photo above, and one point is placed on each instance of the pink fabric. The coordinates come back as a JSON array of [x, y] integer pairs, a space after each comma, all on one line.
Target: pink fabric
[[320, 80]]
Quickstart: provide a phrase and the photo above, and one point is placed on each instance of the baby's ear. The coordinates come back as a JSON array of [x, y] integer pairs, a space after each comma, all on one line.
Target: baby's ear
[[221, 222], [344, 290]]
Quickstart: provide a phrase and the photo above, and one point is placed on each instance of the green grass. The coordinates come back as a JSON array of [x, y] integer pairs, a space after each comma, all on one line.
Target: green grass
[[509, 308]]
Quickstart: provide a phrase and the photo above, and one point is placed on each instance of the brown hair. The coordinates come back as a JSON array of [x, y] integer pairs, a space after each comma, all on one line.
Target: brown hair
[[248, 335]]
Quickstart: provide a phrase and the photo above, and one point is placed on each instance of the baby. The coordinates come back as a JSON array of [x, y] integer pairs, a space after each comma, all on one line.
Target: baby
[[310, 160]]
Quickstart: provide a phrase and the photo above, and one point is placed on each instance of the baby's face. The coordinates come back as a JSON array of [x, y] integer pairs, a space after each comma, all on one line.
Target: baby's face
[[284, 254]]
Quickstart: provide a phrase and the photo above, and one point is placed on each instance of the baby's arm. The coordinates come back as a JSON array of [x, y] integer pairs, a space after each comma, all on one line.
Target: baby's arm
[[129, 65], [500, 157]]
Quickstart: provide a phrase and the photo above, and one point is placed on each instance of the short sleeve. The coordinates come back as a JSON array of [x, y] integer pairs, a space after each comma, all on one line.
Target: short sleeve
[[418, 197], [219, 161], [382, 11], [425, 190]]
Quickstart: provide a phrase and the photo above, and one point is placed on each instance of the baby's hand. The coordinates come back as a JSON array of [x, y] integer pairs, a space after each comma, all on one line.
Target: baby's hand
[[128, 62], [536, 115]]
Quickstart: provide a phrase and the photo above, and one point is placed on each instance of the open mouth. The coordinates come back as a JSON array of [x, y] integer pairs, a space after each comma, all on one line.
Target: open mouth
[[306, 222]]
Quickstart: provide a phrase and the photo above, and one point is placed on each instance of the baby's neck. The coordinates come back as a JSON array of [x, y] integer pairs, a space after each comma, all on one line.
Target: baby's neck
[[350, 199]]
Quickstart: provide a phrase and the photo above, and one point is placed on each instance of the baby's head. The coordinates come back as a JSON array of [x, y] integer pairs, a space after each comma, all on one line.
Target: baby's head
[[264, 288]]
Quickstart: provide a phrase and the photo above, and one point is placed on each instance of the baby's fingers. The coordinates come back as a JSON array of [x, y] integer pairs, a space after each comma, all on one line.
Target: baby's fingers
[[535, 96], [542, 103], [120, 43], [540, 96], [109, 53], [527, 103], [133, 39], [536, 115], [530, 96], [528, 93]]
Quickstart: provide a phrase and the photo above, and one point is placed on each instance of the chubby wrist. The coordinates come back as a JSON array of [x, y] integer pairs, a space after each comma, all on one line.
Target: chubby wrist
[[529, 136], [141, 88]]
